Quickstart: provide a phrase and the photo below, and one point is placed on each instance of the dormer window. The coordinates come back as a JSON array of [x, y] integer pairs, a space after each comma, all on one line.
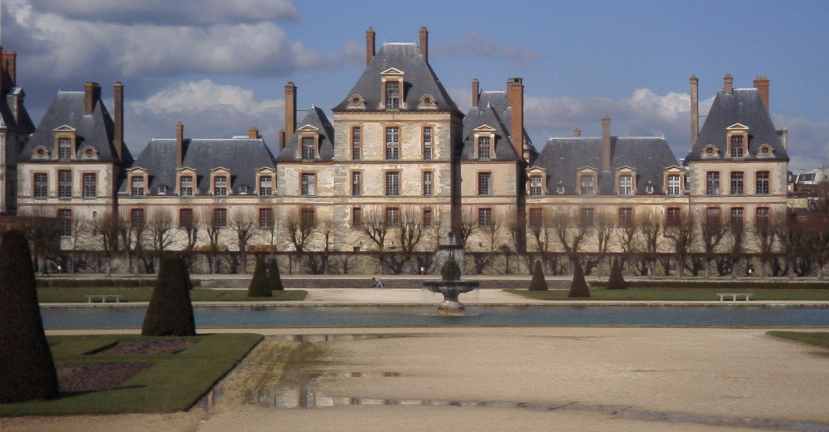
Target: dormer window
[[536, 185], [649, 189], [186, 185], [392, 98], [674, 188], [356, 102], [244, 189], [137, 186], [162, 190], [427, 102], [560, 188], [220, 186], [626, 185], [64, 149], [587, 184], [265, 185], [484, 148], [737, 146], [710, 152], [308, 150]]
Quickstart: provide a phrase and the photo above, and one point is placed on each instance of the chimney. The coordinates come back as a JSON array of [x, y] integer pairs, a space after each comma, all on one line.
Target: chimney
[[728, 83], [476, 92], [783, 135], [92, 92], [761, 83], [179, 144], [290, 110], [253, 133], [118, 127], [576, 132], [282, 139], [515, 96], [8, 69], [423, 42], [604, 151], [2, 70], [370, 35], [694, 109]]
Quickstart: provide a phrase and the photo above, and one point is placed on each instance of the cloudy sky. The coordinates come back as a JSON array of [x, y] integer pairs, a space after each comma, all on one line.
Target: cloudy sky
[[219, 65]]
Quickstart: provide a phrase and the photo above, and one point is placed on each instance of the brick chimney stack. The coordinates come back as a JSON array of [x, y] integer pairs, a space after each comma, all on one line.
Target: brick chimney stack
[[694, 81], [728, 83], [179, 144], [92, 93], [423, 43], [118, 126], [761, 83], [605, 150], [8, 69], [515, 96], [290, 110], [370, 36], [476, 92], [253, 133]]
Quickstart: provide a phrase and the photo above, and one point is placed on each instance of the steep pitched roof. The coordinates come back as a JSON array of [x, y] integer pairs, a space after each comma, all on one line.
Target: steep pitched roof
[[562, 158], [22, 123], [317, 119], [419, 79], [494, 110], [739, 106], [241, 156]]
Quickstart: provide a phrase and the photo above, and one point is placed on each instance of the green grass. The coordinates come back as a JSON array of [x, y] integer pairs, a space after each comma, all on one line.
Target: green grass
[[820, 339], [143, 294], [680, 294], [174, 382]]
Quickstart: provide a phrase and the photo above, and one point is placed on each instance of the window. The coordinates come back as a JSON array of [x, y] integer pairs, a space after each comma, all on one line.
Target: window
[[737, 148], [713, 216], [673, 216], [64, 184], [484, 148], [185, 218], [427, 143], [186, 186], [65, 218], [674, 188], [536, 217], [484, 183], [265, 185], [137, 186], [625, 185], [220, 217], [427, 183], [41, 186], [762, 216], [392, 95], [90, 185], [356, 143], [625, 216], [560, 188], [356, 183], [762, 186], [356, 217], [736, 216], [649, 188], [427, 217], [587, 184], [737, 183], [265, 217], [64, 149], [392, 143], [137, 217], [392, 216], [392, 183], [308, 217], [485, 217], [308, 152], [220, 186], [308, 184], [586, 217], [162, 189], [712, 183], [536, 186]]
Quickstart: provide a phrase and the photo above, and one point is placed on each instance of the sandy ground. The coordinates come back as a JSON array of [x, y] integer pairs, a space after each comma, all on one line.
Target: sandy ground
[[595, 379]]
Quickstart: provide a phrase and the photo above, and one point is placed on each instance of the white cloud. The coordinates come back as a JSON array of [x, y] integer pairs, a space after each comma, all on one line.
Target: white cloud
[[808, 141], [475, 45]]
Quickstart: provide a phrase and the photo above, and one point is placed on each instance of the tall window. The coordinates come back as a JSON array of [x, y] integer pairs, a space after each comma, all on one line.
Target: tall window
[[220, 217], [762, 186], [392, 143], [308, 217], [536, 185], [356, 217], [392, 95], [392, 183], [673, 216], [137, 186], [587, 216], [137, 217], [356, 183], [712, 183], [356, 143], [64, 184], [626, 185], [674, 188], [587, 184], [185, 218], [308, 152], [265, 217], [65, 219], [427, 183], [625, 216], [308, 184], [736, 183], [186, 186], [485, 216], [484, 148], [737, 146], [736, 216], [762, 216], [220, 186], [427, 217], [265, 185], [713, 216], [64, 149], [90, 185], [484, 184], [41, 186], [392, 216], [427, 143], [536, 217]]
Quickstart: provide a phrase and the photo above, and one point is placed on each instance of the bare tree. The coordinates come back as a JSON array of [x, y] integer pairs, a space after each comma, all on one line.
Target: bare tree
[[490, 234], [212, 226], [243, 224], [161, 230], [628, 239], [105, 227], [571, 235], [319, 263], [409, 233], [766, 237], [682, 235], [712, 231], [467, 227], [727, 263], [603, 231], [376, 229], [650, 231]]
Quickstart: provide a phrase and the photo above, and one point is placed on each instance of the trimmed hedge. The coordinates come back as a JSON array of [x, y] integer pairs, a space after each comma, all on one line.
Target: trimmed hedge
[[539, 282], [170, 312], [260, 283], [616, 279], [274, 278], [579, 287]]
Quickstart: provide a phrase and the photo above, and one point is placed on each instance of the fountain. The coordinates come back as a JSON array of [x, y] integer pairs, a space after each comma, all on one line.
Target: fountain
[[451, 286]]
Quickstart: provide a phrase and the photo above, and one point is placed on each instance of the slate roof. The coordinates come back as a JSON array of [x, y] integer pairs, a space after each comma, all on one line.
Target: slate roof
[[562, 158], [494, 110], [94, 129], [24, 124], [242, 156], [419, 79], [315, 117], [739, 106]]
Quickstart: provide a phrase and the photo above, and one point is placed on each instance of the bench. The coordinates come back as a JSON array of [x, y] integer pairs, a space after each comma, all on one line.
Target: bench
[[735, 296], [102, 298]]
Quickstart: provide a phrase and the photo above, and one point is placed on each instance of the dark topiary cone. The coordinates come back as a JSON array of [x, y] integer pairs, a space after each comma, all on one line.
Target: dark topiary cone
[[27, 370], [579, 287], [259, 284], [450, 270], [617, 279], [539, 282], [274, 278], [170, 312]]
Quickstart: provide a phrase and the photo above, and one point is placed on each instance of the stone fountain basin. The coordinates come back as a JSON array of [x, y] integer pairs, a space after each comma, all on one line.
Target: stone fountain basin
[[452, 284]]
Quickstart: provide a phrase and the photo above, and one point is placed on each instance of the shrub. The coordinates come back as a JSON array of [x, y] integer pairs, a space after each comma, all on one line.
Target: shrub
[[170, 312], [260, 283], [617, 279], [27, 370], [579, 287], [450, 270], [539, 282], [274, 278]]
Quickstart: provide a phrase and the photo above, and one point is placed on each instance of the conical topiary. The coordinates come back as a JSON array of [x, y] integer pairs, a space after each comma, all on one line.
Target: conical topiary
[[170, 312], [579, 287], [274, 278], [27, 370], [450, 270], [539, 282], [259, 284], [617, 279]]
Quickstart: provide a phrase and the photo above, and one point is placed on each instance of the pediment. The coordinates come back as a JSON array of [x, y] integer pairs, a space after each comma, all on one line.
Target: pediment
[[219, 170], [587, 168], [64, 128], [737, 126], [484, 128], [138, 170], [265, 169], [536, 170], [308, 128], [392, 71]]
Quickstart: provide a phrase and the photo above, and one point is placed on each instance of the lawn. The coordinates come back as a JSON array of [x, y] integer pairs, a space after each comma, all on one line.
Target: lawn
[[820, 339], [168, 382], [143, 294], [680, 294]]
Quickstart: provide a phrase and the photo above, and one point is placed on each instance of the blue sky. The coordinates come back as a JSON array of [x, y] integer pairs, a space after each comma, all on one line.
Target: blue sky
[[220, 67]]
